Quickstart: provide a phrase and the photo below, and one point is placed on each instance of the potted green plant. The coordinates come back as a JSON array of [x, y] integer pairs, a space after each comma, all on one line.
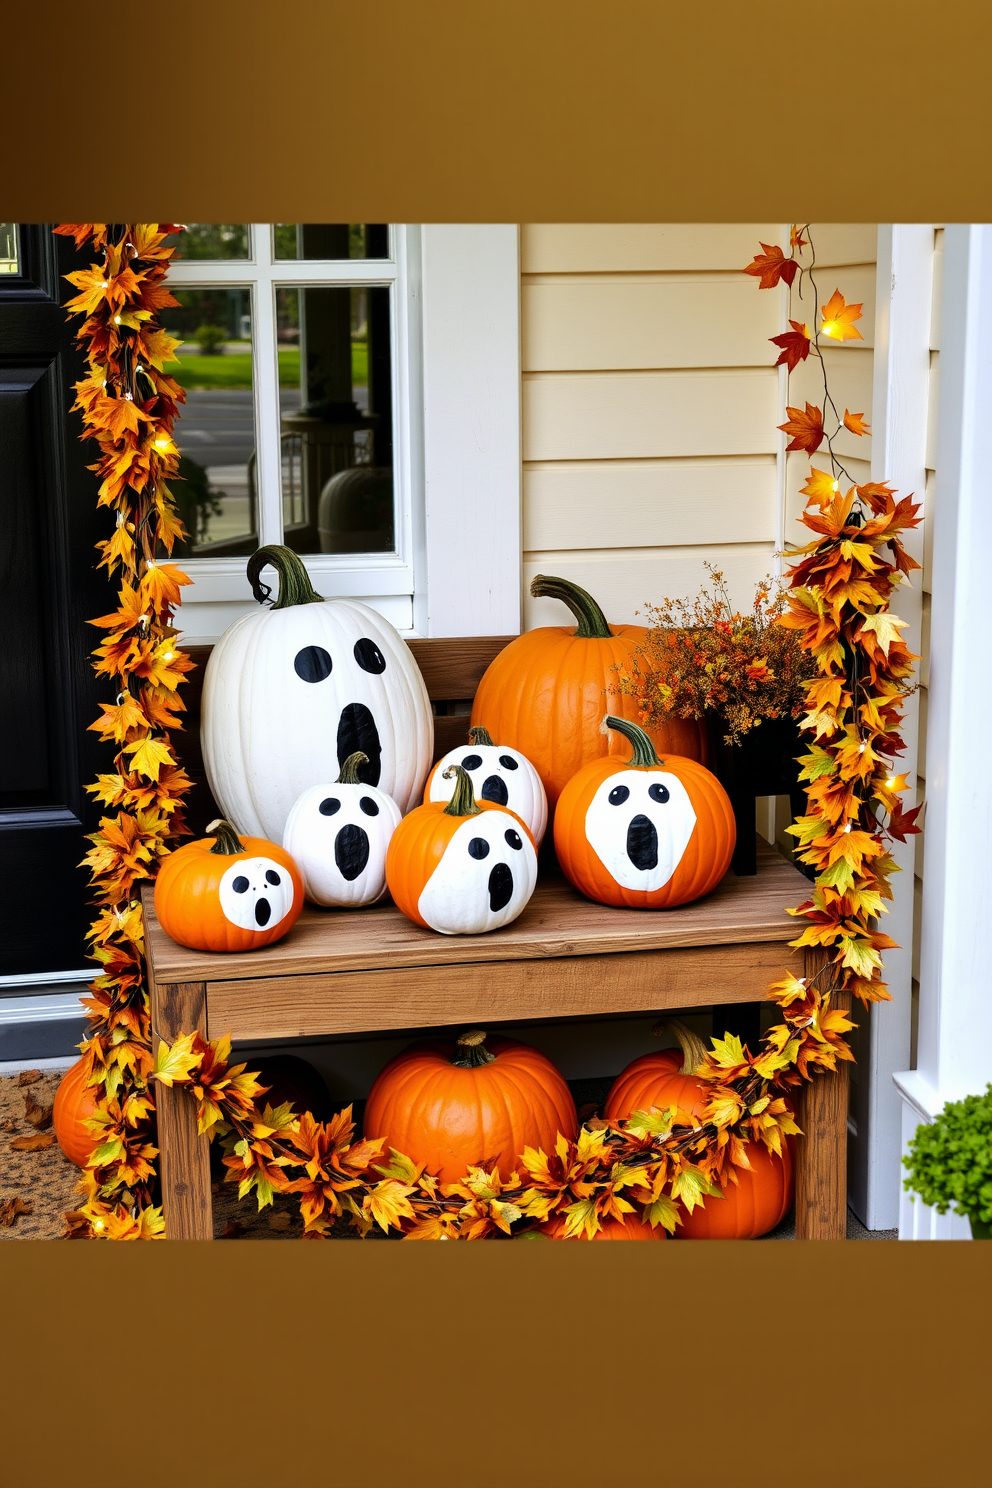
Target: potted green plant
[[950, 1162]]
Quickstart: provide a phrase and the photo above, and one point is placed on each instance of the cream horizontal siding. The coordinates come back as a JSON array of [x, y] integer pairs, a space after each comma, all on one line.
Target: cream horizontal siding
[[650, 405]]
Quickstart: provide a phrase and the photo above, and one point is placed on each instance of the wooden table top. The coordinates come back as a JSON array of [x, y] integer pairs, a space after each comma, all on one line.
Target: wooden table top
[[557, 922]]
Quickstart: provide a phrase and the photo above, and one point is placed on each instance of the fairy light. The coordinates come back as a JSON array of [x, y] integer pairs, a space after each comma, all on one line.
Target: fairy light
[[847, 827], [117, 320]]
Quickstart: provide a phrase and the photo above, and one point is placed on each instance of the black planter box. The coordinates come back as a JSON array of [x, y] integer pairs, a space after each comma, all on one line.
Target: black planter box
[[764, 763]]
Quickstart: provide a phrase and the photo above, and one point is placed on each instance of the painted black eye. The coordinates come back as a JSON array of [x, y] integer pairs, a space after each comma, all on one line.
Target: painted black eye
[[618, 795], [471, 761], [240, 884], [368, 806], [272, 877], [329, 805], [313, 664], [658, 792], [369, 657], [513, 838], [478, 848], [508, 762]]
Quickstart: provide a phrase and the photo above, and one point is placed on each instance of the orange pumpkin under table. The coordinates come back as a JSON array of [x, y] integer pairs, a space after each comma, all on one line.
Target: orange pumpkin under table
[[763, 1194], [451, 1106], [631, 1228], [75, 1103]]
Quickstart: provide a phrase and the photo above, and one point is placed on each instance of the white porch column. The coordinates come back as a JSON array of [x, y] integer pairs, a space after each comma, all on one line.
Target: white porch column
[[900, 396], [955, 1033]]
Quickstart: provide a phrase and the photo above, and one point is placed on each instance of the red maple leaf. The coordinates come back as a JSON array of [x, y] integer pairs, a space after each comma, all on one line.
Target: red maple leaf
[[806, 428], [794, 344], [771, 266], [902, 824]]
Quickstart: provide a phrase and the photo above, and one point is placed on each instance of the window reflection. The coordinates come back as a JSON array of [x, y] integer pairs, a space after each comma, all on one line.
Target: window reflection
[[211, 240], [215, 430], [330, 240], [335, 398]]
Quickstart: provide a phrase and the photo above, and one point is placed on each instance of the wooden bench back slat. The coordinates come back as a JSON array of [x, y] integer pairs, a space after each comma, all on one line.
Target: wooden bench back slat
[[451, 667]]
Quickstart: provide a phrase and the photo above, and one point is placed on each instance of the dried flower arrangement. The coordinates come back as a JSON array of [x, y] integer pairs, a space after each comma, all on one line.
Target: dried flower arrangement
[[704, 657]]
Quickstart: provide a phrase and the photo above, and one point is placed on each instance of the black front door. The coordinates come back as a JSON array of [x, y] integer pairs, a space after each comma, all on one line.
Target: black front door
[[49, 588]]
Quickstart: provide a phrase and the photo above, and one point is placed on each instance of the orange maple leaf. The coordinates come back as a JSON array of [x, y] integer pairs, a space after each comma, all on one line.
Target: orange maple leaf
[[855, 422], [771, 266], [795, 345], [806, 428], [796, 240], [838, 318]]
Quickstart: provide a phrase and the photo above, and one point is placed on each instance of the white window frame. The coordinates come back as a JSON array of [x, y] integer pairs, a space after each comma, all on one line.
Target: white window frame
[[220, 589], [455, 308]]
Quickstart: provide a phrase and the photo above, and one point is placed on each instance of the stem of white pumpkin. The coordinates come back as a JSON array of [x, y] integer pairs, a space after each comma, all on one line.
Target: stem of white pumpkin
[[350, 768], [481, 737], [295, 587]]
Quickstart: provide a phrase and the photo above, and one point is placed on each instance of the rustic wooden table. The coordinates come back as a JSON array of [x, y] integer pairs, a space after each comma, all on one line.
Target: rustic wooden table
[[372, 970]]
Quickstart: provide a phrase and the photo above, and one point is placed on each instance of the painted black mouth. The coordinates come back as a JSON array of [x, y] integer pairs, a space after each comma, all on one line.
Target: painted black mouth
[[357, 731], [500, 887], [642, 843], [263, 911], [351, 851], [495, 790]]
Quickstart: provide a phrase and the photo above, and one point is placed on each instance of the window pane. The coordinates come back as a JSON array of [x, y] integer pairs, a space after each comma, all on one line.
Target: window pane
[[215, 430], [8, 248], [217, 240], [330, 240], [335, 400]]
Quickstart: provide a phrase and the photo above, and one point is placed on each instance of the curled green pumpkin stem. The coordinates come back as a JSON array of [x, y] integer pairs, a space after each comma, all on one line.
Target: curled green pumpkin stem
[[463, 802], [351, 767], [592, 623], [295, 587], [481, 737], [228, 844], [692, 1046], [469, 1051], [645, 755]]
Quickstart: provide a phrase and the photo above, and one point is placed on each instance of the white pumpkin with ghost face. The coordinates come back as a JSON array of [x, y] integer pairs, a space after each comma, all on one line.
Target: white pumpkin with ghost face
[[463, 867], [498, 774], [292, 691], [646, 833], [338, 834]]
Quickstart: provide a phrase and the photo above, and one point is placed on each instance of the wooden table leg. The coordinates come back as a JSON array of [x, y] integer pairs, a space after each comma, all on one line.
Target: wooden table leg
[[184, 1162], [821, 1161]]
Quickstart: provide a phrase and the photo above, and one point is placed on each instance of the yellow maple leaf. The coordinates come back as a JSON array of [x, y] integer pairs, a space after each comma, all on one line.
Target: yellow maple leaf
[[886, 629], [820, 487], [148, 756], [838, 318], [177, 1061]]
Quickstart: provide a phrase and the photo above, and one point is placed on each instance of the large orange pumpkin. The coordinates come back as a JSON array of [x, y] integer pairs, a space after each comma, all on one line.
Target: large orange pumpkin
[[479, 1100], [546, 692], [644, 833], [75, 1103], [226, 893], [630, 1228], [762, 1196]]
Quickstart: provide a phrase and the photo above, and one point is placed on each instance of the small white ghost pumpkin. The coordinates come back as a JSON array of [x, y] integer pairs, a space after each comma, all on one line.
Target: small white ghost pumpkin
[[338, 835], [499, 774], [464, 867], [645, 833]]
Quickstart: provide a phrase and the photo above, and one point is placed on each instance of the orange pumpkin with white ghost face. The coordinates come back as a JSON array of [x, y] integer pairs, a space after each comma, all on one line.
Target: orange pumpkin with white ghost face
[[226, 893], [644, 833]]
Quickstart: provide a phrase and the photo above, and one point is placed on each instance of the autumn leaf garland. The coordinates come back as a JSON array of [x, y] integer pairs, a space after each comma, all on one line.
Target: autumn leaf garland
[[128, 407]]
